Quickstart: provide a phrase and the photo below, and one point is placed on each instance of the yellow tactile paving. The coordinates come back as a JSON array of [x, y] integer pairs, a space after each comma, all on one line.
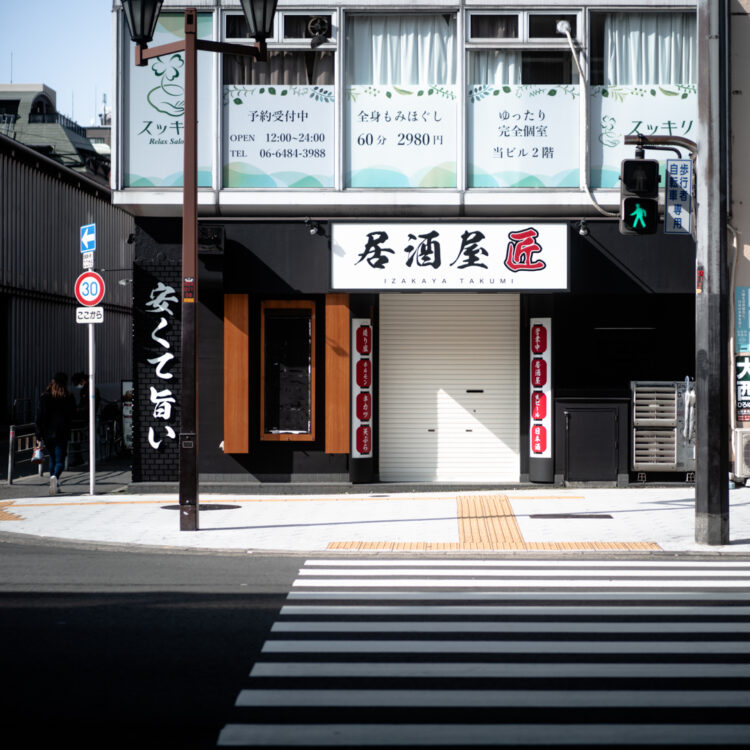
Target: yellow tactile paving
[[6, 515], [487, 523]]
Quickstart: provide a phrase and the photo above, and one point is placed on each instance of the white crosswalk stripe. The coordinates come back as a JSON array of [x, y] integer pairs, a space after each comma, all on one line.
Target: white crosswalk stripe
[[503, 653]]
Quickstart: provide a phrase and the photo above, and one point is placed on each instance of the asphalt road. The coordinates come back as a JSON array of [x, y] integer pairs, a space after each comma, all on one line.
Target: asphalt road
[[106, 648], [109, 648]]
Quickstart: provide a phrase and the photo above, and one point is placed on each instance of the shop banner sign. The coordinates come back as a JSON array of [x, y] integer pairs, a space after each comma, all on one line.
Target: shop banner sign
[[156, 111], [278, 136], [402, 137], [617, 111], [742, 319], [478, 257], [523, 136], [540, 415], [362, 388], [742, 364]]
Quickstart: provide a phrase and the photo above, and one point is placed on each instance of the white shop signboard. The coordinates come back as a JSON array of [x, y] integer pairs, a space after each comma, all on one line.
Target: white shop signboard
[[279, 136], [430, 256], [402, 137], [617, 111], [156, 110], [523, 136]]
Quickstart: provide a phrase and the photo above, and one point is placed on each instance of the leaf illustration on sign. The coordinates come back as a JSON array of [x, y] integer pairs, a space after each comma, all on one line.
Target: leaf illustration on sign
[[168, 98]]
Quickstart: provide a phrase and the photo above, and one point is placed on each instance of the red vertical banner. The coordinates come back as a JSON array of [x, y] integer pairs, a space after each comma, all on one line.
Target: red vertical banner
[[362, 387], [540, 369]]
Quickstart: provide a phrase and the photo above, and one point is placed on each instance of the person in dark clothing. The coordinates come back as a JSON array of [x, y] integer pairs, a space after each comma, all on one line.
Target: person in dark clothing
[[54, 418], [81, 379]]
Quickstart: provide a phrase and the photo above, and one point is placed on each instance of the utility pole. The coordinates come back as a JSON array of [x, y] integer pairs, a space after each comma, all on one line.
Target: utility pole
[[711, 317]]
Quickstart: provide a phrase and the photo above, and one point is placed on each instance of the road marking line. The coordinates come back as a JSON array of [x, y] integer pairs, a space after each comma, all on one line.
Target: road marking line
[[368, 646], [508, 574], [522, 583], [462, 626], [336, 562], [495, 698], [467, 735], [474, 670]]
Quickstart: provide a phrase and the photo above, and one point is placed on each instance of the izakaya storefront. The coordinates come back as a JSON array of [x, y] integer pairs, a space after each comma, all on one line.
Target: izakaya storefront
[[471, 352], [449, 341]]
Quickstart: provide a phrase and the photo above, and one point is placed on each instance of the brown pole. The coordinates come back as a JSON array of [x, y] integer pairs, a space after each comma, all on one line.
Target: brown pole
[[188, 477], [188, 448]]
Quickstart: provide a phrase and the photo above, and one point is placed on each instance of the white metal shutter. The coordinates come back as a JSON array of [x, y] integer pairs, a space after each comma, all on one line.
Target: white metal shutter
[[449, 387]]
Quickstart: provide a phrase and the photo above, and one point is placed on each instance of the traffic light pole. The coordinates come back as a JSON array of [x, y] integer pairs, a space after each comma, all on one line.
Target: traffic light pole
[[711, 277], [711, 312]]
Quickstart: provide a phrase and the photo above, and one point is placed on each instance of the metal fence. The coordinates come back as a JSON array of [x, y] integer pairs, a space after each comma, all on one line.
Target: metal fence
[[22, 442]]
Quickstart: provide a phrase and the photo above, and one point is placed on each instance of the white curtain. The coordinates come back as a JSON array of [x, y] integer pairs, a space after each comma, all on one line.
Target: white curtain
[[407, 50], [494, 67], [288, 68], [650, 48]]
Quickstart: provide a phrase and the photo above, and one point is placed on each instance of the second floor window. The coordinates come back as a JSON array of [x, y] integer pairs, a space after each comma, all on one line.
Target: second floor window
[[402, 101], [639, 49]]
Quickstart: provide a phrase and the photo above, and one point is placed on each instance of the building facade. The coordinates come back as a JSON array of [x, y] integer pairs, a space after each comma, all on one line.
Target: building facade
[[410, 266], [43, 205]]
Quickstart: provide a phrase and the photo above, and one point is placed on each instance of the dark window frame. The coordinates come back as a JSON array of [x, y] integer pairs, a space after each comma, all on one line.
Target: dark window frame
[[287, 306]]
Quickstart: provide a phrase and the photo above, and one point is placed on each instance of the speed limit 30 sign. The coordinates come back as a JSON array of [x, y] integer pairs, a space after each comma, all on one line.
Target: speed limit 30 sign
[[89, 288]]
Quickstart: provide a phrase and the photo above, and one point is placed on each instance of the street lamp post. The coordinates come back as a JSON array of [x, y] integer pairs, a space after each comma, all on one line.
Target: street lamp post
[[141, 17]]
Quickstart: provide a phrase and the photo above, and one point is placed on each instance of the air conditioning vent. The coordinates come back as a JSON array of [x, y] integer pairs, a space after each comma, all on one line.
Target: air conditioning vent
[[655, 450], [742, 453], [654, 404], [662, 426]]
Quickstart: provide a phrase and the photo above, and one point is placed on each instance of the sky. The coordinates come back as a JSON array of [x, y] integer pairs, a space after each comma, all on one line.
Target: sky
[[65, 44]]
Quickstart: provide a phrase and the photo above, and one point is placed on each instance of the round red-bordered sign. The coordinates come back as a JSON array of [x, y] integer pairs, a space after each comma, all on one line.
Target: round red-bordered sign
[[89, 288]]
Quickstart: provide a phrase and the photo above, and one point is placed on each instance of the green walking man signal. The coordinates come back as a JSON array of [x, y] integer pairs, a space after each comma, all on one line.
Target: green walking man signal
[[639, 196], [639, 213]]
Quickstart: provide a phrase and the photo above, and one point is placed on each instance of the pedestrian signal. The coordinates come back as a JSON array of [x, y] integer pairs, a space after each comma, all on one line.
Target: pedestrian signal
[[639, 196]]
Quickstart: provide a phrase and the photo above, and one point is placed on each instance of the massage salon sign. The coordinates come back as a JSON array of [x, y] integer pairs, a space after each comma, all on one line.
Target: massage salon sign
[[433, 256]]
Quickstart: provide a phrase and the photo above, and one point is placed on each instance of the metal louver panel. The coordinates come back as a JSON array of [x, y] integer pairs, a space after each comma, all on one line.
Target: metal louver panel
[[654, 404], [742, 453], [654, 449], [662, 438], [449, 387]]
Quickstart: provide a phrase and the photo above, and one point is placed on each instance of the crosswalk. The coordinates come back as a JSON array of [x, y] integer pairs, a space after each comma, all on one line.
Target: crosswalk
[[504, 653]]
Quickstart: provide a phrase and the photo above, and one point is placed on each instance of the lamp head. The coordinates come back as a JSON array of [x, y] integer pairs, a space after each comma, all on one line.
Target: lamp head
[[259, 15], [141, 17]]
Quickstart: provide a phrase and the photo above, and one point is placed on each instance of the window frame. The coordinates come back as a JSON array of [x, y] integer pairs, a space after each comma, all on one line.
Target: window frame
[[523, 40], [277, 38], [297, 304]]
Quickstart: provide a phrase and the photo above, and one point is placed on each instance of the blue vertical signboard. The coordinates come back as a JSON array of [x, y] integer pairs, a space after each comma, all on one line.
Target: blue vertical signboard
[[678, 194], [742, 319]]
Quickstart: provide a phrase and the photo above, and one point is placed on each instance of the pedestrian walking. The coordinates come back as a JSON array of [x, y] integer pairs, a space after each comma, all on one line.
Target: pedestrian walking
[[54, 417]]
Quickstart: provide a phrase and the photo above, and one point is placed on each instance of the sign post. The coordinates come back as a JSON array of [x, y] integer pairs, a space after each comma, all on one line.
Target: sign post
[[89, 290]]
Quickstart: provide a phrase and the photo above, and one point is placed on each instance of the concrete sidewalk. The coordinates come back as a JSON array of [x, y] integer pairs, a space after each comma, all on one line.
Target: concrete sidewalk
[[636, 519]]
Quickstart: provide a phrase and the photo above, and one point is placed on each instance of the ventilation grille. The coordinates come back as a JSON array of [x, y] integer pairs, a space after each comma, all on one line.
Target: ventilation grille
[[654, 404], [654, 449], [742, 453], [660, 439]]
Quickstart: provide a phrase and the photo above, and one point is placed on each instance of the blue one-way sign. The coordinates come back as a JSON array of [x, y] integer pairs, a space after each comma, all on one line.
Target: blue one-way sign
[[88, 238]]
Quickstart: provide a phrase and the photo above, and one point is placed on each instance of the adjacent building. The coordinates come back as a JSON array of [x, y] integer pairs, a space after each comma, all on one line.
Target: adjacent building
[[410, 265], [43, 205]]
